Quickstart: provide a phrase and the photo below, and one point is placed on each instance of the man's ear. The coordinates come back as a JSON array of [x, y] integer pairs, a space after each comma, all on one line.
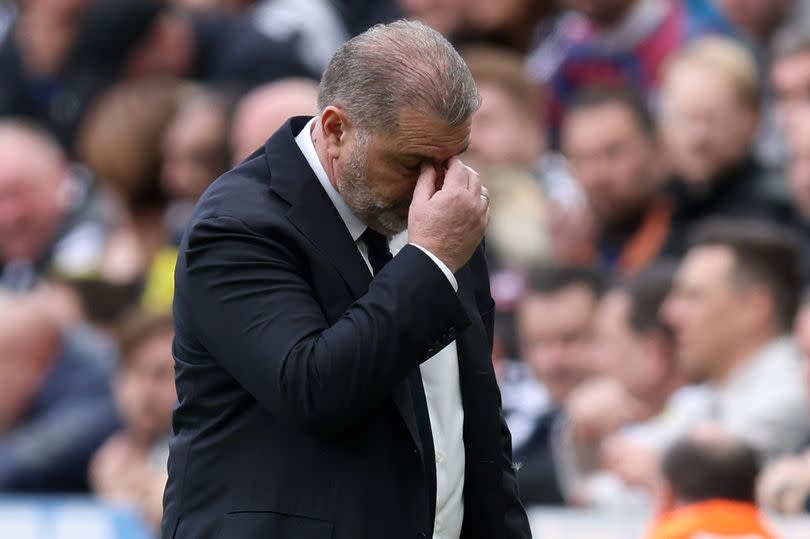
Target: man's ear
[[338, 130]]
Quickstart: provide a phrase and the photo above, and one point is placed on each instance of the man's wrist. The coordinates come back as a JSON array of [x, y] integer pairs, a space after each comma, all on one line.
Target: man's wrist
[[442, 266]]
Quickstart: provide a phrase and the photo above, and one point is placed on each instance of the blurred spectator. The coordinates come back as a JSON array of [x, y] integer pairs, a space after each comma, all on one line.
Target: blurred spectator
[[709, 490], [623, 42], [56, 406], [94, 44], [609, 138], [194, 153], [517, 235], [508, 23], [757, 20], [212, 48], [33, 57], [790, 73], [121, 141], [262, 111], [622, 431], [445, 16], [555, 324], [360, 15], [131, 466], [798, 174], [709, 118], [505, 130], [52, 222], [731, 310], [314, 28], [784, 485]]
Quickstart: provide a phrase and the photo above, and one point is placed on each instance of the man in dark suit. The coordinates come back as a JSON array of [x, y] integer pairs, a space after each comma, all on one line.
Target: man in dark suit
[[332, 384]]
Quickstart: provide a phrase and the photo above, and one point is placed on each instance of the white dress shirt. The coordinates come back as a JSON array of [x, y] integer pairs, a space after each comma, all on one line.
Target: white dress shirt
[[440, 374]]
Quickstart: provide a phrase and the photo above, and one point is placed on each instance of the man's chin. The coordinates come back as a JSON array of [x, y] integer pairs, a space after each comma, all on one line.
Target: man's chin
[[390, 224]]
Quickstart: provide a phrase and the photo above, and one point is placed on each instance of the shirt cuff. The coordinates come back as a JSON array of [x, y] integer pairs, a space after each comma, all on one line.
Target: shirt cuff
[[442, 266]]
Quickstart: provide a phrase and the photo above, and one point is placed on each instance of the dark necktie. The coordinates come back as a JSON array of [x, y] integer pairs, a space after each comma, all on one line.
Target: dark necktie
[[378, 253]]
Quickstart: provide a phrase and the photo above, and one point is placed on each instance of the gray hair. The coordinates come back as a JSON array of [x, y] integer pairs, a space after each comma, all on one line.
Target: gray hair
[[394, 66], [791, 40]]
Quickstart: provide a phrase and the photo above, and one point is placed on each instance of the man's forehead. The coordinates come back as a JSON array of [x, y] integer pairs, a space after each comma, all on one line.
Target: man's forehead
[[708, 262], [417, 132]]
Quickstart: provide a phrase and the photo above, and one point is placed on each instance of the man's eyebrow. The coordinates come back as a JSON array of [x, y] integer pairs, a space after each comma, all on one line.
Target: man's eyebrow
[[417, 156], [424, 157]]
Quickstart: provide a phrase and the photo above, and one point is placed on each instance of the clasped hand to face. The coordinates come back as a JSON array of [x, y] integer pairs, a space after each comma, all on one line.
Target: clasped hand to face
[[449, 219], [410, 177]]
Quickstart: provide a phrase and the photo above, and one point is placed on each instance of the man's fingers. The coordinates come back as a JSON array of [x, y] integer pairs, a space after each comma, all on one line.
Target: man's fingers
[[456, 175], [473, 182], [425, 184], [484, 194]]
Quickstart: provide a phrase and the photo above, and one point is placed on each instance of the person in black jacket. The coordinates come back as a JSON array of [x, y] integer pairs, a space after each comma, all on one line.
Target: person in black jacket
[[710, 115], [555, 324], [333, 382]]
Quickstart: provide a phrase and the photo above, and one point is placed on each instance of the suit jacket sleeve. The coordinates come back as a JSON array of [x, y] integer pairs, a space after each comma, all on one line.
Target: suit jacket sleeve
[[253, 309], [516, 522]]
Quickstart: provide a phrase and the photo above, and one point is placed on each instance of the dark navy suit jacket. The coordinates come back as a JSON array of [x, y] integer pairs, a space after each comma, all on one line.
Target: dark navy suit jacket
[[295, 418]]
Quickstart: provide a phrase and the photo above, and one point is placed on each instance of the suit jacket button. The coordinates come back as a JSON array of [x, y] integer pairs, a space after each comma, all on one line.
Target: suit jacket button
[[430, 351], [421, 535]]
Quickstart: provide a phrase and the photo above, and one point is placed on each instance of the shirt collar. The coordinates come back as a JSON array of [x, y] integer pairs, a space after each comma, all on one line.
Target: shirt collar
[[304, 140]]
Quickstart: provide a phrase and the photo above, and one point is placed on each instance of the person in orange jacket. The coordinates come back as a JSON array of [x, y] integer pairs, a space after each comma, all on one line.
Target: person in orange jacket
[[710, 479]]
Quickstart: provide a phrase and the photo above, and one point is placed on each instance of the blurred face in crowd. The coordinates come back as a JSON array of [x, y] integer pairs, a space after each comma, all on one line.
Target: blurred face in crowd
[[167, 50], [636, 359], [799, 166], [757, 17], [502, 133], [265, 109], [606, 13], [27, 346], [710, 313], [376, 173], [487, 16], [33, 194], [145, 388], [706, 126], [790, 79], [612, 158], [555, 332], [443, 16], [194, 149], [46, 30]]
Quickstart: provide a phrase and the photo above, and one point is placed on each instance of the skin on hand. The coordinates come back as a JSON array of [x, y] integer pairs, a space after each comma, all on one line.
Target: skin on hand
[[785, 485], [449, 221]]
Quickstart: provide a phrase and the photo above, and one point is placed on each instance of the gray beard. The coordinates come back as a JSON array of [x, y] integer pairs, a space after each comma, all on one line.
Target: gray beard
[[362, 200]]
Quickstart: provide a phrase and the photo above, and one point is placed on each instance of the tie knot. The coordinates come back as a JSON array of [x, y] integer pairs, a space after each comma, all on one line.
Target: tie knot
[[378, 253], [374, 239]]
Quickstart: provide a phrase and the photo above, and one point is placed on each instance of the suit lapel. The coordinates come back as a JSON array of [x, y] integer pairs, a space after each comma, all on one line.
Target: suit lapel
[[311, 211], [314, 215]]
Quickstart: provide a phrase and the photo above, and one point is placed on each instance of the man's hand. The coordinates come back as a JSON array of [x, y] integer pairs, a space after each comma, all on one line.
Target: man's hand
[[598, 408], [785, 485], [449, 221], [635, 464]]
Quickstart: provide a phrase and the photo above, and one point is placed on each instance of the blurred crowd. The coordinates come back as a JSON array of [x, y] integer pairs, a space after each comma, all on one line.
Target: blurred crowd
[[649, 169]]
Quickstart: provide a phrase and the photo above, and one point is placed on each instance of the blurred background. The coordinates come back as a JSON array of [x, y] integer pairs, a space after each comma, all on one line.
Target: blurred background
[[649, 168]]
